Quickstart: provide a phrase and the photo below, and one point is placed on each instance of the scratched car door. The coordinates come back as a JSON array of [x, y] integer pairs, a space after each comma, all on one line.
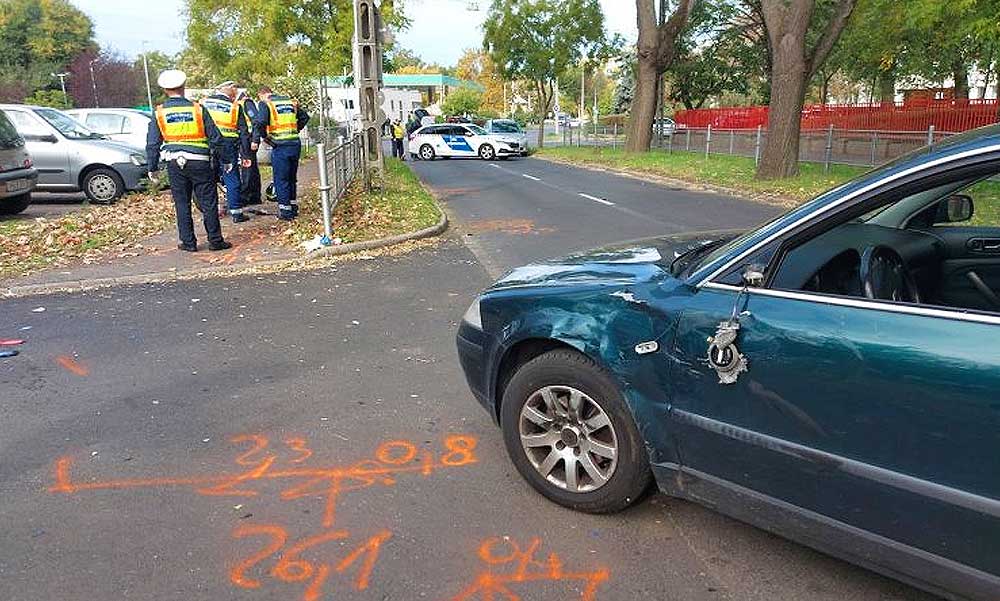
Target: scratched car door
[[883, 418]]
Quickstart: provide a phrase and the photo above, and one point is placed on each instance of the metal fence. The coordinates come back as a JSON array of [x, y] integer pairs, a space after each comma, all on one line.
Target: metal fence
[[865, 148], [338, 167]]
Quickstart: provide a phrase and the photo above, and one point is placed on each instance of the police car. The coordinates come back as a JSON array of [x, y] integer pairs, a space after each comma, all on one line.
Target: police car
[[462, 140]]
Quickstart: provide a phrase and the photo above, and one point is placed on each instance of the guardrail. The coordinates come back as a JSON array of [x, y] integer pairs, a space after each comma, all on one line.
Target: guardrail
[[338, 167]]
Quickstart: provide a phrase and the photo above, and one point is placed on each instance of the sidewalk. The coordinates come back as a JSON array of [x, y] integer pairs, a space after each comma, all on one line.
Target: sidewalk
[[254, 242]]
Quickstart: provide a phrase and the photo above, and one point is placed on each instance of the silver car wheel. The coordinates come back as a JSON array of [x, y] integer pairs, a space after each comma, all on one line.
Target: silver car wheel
[[568, 437], [103, 187]]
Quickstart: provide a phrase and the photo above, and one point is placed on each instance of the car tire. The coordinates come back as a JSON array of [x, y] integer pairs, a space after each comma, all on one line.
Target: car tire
[[103, 185], [627, 476], [426, 153], [15, 204], [487, 152]]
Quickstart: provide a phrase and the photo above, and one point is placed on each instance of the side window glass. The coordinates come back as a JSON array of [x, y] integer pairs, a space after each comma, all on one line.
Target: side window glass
[[106, 123], [26, 124], [985, 203]]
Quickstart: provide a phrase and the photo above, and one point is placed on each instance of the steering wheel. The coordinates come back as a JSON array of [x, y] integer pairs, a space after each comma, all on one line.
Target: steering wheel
[[884, 276]]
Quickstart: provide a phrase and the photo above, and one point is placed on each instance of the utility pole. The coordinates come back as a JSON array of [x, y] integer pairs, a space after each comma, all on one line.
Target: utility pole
[[62, 84], [93, 83], [145, 67], [368, 37]]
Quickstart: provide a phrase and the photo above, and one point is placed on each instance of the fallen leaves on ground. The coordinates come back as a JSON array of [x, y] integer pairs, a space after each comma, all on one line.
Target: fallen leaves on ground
[[86, 235]]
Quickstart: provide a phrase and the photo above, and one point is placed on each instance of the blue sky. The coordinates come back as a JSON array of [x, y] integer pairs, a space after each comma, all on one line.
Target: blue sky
[[125, 26]]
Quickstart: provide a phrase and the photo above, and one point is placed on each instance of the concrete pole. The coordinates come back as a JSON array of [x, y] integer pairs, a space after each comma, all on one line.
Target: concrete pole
[[145, 68]]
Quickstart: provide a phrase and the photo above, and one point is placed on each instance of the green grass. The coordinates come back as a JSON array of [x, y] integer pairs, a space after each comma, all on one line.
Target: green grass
[[735, 173], [402, 206]]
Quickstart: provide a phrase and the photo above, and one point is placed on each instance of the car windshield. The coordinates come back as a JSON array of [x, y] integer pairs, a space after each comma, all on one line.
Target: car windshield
[[506, 127], [68, 126], [476, 130], [9, 138]]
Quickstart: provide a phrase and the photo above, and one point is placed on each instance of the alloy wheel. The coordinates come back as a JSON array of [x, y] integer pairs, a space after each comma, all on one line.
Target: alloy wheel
[[568, 438]]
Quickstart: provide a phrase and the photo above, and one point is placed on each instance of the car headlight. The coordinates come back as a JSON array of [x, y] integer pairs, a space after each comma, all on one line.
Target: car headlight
[[472, 316], [137, 159]]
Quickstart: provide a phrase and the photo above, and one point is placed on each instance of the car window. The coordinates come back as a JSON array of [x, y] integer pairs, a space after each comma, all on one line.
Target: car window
[[986, 204], [475, 129], [27, 124], [67, 126], [430, 131], [505, 127], [106, 123], [9, 138]]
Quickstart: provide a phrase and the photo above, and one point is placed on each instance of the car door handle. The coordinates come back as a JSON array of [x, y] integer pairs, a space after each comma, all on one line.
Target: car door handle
[[984, 245]]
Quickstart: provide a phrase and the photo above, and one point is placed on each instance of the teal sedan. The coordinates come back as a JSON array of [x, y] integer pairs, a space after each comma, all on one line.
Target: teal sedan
[[832, 376]]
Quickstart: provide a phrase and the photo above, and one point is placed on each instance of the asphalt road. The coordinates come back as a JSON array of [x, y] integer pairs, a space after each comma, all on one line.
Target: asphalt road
[[309, 435]]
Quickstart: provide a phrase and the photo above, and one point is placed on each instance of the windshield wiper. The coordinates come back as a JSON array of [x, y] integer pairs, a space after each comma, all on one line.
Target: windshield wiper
[[690, 254]]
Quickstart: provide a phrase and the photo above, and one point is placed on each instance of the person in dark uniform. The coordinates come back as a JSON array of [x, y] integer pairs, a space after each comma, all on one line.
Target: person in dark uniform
[[249, 169], [188, 137], [228, 117], [279, 120]]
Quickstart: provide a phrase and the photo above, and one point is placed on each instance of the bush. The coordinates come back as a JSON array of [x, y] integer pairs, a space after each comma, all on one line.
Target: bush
[[50, 98]]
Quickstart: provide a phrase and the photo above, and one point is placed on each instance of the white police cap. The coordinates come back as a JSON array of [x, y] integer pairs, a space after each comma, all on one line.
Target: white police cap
[[171, 79]]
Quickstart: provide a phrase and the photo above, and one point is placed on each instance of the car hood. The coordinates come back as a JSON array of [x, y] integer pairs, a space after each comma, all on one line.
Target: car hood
[[623, 263]]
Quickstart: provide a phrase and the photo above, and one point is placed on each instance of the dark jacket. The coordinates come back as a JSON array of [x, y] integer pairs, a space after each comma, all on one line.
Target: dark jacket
[[263, 119], [154, 138]]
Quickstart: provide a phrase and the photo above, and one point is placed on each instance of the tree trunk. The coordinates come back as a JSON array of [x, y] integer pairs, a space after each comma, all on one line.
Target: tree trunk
[[780, 157], [544, 99], [639, 131], [961, 75], [887, 88]]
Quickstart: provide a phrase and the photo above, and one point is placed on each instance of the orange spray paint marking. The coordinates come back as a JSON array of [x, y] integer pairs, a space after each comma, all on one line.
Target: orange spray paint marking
[[516, 566], [392, 459], [291, 568], [70, 364]]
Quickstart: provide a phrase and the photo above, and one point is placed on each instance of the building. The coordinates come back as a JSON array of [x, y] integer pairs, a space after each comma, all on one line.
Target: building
[[344, 103], [402, 92]]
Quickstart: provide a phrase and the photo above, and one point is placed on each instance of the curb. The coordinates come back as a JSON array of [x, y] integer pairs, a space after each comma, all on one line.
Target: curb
[[263, 266], [777, 201]]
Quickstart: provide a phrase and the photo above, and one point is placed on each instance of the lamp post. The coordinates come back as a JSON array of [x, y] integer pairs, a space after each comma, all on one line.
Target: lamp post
[[62, 84], [93, 83], [145, 67]]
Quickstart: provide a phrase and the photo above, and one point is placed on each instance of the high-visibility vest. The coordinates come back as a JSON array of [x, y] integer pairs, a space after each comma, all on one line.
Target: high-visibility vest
[[283, 122], [226, 115], [182, 125], [398, 132]]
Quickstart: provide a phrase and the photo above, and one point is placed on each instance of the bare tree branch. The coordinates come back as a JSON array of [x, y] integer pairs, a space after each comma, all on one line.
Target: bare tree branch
[[817, 56]]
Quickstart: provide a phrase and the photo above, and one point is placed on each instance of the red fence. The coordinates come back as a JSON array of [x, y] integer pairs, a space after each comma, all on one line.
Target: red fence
[[945, 115]]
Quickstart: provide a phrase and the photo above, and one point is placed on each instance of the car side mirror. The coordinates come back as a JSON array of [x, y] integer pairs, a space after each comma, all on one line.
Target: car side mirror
[[753, 276], [954, 209]]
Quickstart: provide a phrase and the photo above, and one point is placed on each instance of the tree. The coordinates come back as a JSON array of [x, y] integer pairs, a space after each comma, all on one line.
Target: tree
[[656, 50], [158, 62], [118, 82], [794, 62], [38, 38], [255, 41], [624, 77], [53, 98], [537, 40], [462, 101], [476, 65], [722, 51]]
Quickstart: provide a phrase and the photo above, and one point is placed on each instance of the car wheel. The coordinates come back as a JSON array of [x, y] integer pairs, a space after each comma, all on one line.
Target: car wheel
[[487, 153], [15, 204], [426, 153], [571, 436], [103, 185]]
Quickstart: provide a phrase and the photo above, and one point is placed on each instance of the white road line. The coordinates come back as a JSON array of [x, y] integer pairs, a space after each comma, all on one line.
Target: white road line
[[596, 199], [531, 177], [494, 165]]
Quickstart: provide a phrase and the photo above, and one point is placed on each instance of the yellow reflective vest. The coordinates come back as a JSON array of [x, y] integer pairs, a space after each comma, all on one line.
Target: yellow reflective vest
[[225, 114], [283, 119], [182, 125]]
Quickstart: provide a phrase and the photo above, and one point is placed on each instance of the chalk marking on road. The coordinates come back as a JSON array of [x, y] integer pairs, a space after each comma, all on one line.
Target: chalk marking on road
[[596, 199], [531, 177]]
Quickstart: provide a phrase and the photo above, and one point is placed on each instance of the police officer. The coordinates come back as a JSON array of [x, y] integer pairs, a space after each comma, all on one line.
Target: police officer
[[279, 120], [228, 117], [249, 169], [188, 136]]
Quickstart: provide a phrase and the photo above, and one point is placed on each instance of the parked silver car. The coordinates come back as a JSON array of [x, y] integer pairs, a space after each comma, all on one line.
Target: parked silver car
[[128, 126], [72, 158], [509, 131], [17, 175]]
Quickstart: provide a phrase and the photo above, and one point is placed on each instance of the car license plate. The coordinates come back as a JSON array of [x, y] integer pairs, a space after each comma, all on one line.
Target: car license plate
[[17, 185]]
